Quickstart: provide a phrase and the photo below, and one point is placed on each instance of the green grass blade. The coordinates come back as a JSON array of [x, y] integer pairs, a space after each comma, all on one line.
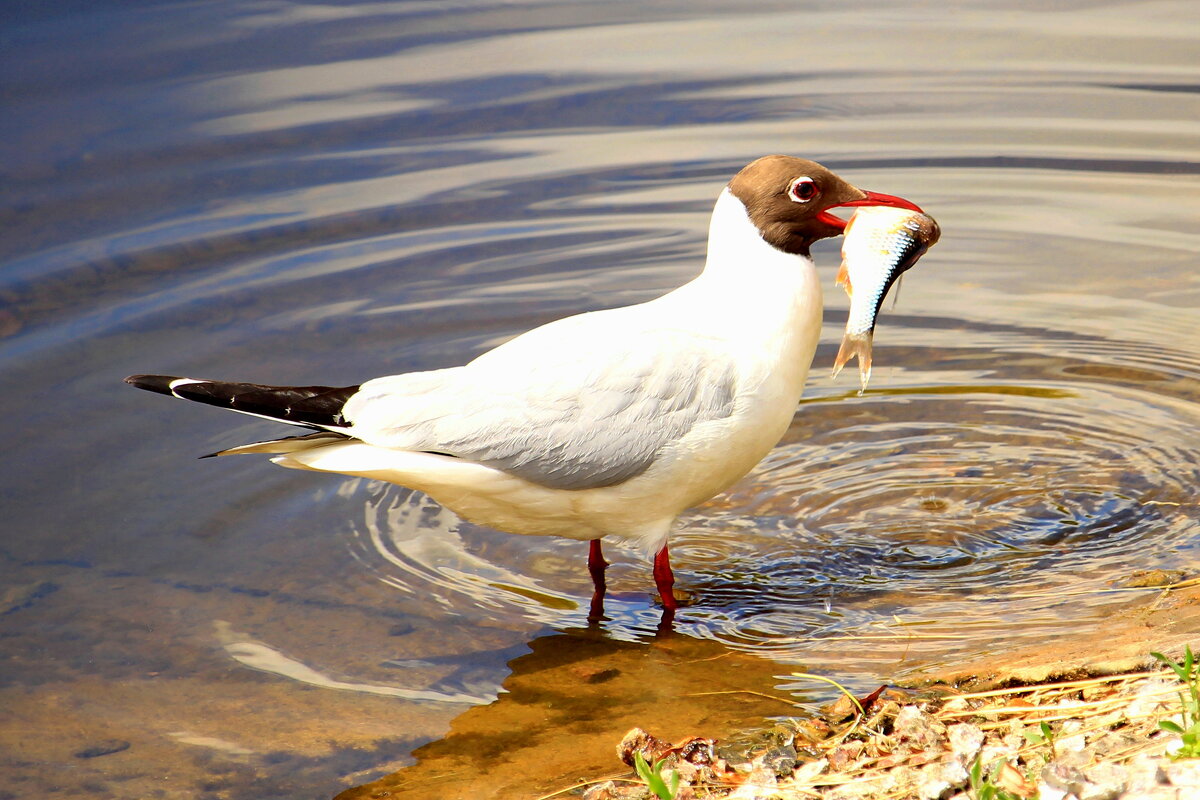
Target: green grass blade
[[651, 775]]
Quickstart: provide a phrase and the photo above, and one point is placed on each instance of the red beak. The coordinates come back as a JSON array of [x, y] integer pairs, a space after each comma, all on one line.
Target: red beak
[[872, 199]]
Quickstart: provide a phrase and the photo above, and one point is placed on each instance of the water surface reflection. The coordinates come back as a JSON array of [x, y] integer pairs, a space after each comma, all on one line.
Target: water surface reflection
[[297, 193], [562, 702]]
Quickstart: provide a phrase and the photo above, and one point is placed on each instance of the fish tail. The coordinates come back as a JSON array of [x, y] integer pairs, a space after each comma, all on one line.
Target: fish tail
[[856, 344]]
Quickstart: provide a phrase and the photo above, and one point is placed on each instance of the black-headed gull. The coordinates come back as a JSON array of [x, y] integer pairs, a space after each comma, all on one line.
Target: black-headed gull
[[608, 423]]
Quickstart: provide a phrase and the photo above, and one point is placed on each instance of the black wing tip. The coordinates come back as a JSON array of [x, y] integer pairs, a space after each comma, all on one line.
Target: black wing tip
[[152, 383], [308, 406]]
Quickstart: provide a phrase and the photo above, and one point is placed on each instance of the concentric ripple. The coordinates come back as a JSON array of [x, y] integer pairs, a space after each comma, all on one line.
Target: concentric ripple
[[421, 549], [970, 511], [929, 521]]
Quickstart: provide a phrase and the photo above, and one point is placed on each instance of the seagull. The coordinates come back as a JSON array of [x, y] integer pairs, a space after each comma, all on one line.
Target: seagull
[[609, 423]]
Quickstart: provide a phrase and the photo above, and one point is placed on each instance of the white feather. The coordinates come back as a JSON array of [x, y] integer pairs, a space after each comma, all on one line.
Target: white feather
[[748, 326]]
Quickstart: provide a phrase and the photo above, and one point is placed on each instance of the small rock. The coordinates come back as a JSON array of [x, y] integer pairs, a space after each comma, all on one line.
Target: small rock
[[105, 747], [955, 705], [844, 754], [841, 709], [601, 791], [1092, 791], [934, 782], [955, 774], [965, 741], [1184, 773], [782, 760], [1112, 742], [1013, 741], [1144, 776], [933, 788], [939, 781], [1070, 727], [638, 741], [1075, 759], [1104, 782], [811, 731], [994, 752], [1048, 792], [760, 783], [1106, 773], [917, 729], [884, 785], [1154, 577], [1062, 776]]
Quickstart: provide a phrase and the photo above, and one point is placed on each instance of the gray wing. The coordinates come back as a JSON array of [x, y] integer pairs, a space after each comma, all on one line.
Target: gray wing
[[568, 420]]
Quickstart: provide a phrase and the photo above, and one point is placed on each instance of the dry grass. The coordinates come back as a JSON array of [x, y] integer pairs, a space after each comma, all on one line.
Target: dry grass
[[1094, 705], [868, 756]]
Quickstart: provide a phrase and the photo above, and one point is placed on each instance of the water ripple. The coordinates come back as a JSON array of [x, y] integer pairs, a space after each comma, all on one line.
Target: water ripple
[[910, 505]]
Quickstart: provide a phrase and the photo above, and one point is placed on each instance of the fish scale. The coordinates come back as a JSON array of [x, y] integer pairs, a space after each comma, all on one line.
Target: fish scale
[[881, 244]]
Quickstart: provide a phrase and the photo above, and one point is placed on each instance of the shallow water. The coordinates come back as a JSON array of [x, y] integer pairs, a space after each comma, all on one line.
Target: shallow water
[[324, 193]]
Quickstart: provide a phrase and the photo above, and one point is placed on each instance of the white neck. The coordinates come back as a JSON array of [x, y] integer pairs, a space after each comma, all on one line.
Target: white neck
[[737, 250], [741, 265], [766, 304]]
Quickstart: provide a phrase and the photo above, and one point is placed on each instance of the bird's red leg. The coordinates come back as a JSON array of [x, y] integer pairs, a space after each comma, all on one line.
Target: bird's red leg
[[664, 579], [596, 566]]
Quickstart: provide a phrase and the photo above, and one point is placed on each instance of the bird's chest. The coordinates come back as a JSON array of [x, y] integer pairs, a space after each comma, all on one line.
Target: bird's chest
[[772, 365], [773, 348]]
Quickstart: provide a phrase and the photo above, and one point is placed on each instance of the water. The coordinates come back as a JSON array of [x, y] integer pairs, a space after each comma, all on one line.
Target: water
[[325, 193]]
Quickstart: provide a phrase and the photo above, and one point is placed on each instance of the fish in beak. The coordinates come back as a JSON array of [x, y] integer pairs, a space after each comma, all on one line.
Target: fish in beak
[[882, 240]]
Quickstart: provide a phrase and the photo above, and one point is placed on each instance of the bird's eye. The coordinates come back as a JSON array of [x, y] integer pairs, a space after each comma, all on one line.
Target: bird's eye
[[803, 189]]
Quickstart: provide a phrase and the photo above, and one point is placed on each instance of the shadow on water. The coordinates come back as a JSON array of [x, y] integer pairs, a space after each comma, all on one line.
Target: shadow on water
[[562, 703]]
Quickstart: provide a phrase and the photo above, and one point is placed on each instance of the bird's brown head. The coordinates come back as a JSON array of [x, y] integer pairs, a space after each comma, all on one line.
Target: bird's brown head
[[788, 199]]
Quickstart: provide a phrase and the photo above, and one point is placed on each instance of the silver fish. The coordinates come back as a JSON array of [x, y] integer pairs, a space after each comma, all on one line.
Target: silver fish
[[881, 243]]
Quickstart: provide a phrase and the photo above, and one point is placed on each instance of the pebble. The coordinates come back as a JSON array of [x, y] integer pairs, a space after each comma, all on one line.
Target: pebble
[[917, 729], [1184, 773], [965, 741], [913, 754], [1104, 782], [940, 781]]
